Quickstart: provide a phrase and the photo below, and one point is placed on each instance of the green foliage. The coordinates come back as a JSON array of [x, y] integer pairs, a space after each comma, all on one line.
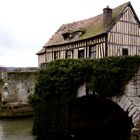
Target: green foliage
[[58, 84], [112, 74]]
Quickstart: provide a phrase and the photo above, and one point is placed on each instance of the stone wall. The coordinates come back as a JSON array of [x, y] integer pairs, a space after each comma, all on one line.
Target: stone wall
[[18, 86], [130, 101], [133, 86]]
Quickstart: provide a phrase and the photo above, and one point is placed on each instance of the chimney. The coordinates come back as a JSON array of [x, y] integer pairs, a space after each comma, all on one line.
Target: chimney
[[107, 16]]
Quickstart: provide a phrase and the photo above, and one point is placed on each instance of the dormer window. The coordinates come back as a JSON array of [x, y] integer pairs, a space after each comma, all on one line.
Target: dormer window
[[77, 34], [73, 34], [67, 36]]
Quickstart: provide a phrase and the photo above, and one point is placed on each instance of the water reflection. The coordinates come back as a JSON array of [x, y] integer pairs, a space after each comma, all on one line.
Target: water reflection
[[16, 129]]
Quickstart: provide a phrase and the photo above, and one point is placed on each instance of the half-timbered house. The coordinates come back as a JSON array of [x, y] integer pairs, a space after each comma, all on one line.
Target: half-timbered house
[[115, 32]]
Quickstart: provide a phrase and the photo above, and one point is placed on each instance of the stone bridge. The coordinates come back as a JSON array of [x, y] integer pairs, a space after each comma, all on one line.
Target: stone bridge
[[130, 101], [23, 85]]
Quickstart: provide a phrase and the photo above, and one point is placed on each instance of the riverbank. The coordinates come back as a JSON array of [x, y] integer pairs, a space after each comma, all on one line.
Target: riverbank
[[15, 111]]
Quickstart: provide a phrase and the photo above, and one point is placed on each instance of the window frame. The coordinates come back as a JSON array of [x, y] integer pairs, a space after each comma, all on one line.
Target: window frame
[[56, 55], [92, 51], [70, 55], [81, 52], [124, 51]]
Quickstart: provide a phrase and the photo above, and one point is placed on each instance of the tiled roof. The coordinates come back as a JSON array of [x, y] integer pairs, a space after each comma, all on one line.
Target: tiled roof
[[41, 51], [93, 27]]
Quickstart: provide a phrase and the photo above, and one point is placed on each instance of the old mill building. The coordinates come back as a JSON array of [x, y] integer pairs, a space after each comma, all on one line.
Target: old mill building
[[115, 32]]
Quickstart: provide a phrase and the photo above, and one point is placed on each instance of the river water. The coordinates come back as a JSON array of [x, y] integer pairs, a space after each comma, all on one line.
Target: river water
[[16, 129]]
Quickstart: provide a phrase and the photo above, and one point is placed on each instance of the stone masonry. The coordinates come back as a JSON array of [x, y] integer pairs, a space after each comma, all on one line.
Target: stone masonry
[[18, 86], [130, 101]]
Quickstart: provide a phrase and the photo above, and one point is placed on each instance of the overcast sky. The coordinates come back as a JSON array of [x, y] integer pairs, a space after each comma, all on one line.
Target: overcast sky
[[26, 25]]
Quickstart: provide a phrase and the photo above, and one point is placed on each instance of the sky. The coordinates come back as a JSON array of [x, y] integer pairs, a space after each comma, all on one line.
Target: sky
[[26, 25]]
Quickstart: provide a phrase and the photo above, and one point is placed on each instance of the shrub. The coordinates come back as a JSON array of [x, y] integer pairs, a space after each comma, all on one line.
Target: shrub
[[57, 86]]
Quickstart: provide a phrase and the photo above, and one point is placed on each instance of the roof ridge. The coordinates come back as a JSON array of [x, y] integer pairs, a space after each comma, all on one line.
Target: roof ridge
[[93, 26], [126, 3]]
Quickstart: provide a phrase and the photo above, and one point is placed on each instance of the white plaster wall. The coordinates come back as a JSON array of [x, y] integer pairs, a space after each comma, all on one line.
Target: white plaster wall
[[41, 59]]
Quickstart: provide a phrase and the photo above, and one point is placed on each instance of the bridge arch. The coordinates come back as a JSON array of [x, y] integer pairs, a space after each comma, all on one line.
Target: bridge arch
[[130, 105], [129, 102], [99, 118]]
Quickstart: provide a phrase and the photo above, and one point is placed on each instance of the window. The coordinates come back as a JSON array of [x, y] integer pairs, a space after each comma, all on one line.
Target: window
[[43, 65], [124, 51], [81, 53], [92, 51], [76, 34], [67, 36], [55, 55], [69, 54]]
